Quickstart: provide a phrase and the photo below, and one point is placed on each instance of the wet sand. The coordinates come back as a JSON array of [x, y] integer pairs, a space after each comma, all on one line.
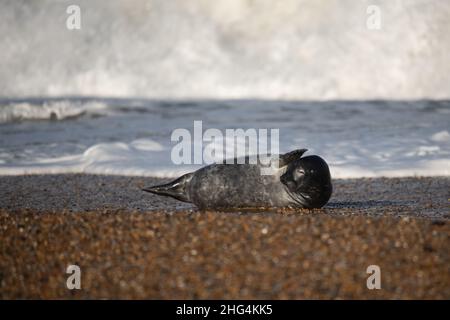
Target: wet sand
[[131, 244]]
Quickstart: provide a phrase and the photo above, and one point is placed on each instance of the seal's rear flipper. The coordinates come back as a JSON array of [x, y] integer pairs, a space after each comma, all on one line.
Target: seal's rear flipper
[[175, 189]]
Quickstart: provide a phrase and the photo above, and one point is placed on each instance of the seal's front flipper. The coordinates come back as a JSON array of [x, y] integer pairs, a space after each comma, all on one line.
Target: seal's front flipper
[[175, 189], [287, 158]]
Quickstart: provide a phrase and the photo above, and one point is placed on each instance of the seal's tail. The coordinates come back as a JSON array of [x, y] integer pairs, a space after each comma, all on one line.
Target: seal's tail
[[175, 189]]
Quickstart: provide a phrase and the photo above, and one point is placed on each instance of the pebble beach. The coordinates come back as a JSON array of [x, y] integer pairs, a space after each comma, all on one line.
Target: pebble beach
[[134, 245]]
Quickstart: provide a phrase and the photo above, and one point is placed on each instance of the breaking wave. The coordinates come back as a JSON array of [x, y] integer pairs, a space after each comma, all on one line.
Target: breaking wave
[[58, 110], [226, 49]]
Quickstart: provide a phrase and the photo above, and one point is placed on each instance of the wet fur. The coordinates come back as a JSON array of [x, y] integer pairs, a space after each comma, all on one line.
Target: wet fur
[[222, 186]]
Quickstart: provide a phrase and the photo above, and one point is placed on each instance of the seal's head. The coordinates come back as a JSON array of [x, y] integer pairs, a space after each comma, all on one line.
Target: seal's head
[[308, 181]]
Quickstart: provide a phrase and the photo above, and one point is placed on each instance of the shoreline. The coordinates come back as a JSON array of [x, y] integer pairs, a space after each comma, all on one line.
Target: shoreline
[[427, 197], [132, 244]]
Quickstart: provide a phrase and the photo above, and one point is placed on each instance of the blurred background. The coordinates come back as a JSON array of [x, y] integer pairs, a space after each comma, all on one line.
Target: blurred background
[[105, 98], [290, 49]]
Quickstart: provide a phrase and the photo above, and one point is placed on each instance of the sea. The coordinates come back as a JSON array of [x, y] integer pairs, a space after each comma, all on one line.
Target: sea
[[135, 136]]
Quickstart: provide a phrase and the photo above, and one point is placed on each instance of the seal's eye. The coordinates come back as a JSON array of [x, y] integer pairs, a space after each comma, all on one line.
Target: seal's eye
[[298, 173]]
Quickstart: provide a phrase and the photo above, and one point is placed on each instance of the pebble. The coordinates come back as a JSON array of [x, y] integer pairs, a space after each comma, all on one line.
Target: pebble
[[145, 247]]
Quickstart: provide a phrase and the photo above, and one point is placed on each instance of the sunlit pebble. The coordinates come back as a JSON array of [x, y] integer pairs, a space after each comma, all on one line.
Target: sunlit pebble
[[325, 236], [347, 240], [180, 283]]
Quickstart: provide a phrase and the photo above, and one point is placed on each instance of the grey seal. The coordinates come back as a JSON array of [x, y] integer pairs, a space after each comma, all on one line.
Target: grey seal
[[298, 182]]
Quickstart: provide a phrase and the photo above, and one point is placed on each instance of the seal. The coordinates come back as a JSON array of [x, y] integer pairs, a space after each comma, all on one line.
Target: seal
[[297, 182]]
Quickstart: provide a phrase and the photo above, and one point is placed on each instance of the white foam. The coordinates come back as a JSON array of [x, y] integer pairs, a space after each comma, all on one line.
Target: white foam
[[441, 136], [227, 49], [422, 151], [141, 157], [145, 157], [57, 110], [428, 168]]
